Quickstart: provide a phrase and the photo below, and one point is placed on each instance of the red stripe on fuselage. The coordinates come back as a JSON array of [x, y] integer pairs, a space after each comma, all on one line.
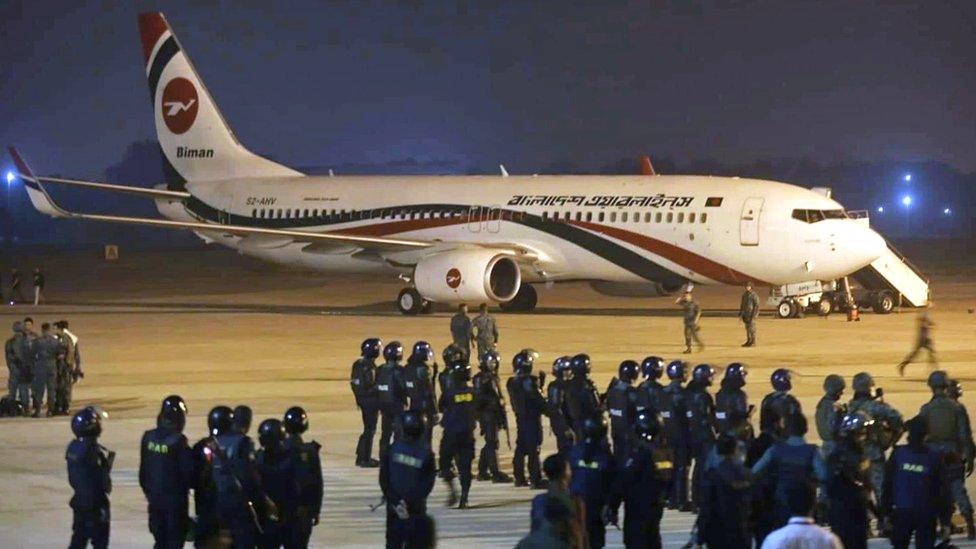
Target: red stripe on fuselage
[[151, 27]]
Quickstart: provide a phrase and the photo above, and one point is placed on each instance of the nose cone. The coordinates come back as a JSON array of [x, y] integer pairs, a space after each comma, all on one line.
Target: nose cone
[[872, 245]]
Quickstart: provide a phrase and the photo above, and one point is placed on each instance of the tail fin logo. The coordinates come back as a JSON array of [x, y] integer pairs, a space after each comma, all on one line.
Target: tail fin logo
[[180, 105]]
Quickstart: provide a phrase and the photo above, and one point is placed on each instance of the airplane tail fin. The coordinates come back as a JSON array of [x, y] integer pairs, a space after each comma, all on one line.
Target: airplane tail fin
[[196, 142]]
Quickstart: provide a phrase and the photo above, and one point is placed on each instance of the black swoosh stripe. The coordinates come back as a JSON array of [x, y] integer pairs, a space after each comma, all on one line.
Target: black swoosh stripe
[[598, 245], [163, 56]]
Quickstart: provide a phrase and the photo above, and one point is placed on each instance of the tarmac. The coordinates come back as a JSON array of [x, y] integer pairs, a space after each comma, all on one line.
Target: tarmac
[[221, 329]]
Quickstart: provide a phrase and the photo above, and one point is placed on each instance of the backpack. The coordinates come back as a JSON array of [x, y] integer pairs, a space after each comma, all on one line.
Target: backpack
[[881, 432]]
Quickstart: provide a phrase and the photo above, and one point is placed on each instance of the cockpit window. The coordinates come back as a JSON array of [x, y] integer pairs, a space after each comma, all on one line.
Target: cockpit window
[[813, 216]]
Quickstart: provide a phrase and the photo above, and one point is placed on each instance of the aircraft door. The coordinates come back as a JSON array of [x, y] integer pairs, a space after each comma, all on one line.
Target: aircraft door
[[474, 219], [493, 222], [749, 221]]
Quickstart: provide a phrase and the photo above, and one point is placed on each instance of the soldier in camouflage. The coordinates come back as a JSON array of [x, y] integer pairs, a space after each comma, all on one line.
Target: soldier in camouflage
[[485, 331], [885, 430]]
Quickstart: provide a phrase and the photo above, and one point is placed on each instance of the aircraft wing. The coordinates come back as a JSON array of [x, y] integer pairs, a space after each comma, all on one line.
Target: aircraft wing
[[45, 204], [109, 187]]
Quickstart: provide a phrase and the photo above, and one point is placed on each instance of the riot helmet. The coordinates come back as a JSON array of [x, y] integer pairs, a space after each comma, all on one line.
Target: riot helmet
[[271, 433], [647, 425], [295, 421], [652, 367], [594, 428], [677, 371], [703, 374], [489, 362], [523, 361], [862, 383], [834, 385], [413, 424], [628, 371], [393, 352], [580, 365], [370, 348], [422, 352], [735, 375], [87, 422], [781, 380], [220, 420]]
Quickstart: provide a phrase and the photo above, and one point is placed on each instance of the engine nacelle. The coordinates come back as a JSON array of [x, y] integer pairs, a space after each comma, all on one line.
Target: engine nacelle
[[633, 289], [467, 276]]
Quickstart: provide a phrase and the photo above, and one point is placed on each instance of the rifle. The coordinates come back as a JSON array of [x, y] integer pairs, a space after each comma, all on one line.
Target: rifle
[[433, 383], [373, 508]]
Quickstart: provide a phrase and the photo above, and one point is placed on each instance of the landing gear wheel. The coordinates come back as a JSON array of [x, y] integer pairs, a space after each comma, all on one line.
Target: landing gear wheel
[[525, 300], [884, 303], [786, 309], [410, 302], [825, 306]]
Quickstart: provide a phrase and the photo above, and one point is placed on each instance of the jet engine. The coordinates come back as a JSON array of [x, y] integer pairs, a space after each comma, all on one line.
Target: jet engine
[[473, 275]]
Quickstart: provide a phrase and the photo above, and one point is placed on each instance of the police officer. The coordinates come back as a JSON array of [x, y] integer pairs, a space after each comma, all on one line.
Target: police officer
[[46, 351], [457, 407], [957, 487], [885, 430], [650, 393], [829, 411], [391, 393], [594, 470], [675, 417], [525, 394], [778, 405], [748, 313], [732, 409], [582, 398], [946, 424], [724, 518], [242, 418], [621, 399], [166, 473], [485, 330], [204, 488], [791, 465], [406, 478], [914, 491], [490, 409], [701, 425], [848, 482], [643, 484], [461, 332], [418, 381], [923, 341], [62, 373], [691, 313], [89, 473], [308, 470], [19, 357], [452, 355], [279, 477], [557, 402], [362, 379]]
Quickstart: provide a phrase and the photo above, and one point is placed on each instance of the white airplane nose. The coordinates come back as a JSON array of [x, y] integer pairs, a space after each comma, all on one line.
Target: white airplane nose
[[874, 244]]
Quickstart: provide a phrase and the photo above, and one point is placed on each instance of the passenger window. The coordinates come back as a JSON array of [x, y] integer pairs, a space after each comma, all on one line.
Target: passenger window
[[704, 217], [647, 217], [681, 217], [601, 217], [565, 216], [579, 216], [623, 217], [670, 217], [589, 216], [657, 217], [613, 217], [636, 217], [691, 218], [306, 212], [545, 216]]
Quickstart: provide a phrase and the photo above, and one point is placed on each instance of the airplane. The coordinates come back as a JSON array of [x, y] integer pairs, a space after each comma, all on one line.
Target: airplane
[[471, 239]]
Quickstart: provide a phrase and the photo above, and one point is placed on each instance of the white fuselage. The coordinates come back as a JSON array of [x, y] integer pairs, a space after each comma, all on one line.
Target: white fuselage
[[621, 229]]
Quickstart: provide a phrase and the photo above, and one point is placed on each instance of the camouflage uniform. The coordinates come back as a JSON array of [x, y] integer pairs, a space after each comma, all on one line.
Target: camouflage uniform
[[691, 314], [748, 312], [882, 436], [485, 332]]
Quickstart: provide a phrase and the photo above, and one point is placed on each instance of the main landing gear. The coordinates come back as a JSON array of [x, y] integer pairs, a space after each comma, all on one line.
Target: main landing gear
[[411, 303], [524, 301]]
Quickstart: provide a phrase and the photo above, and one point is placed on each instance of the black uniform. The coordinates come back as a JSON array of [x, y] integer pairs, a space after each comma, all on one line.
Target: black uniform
[[594, 471], [490, 407], [724, 517], [392, 400], [643, 485], [675, 417], [311, 489], [701, 434], [849, 493], [650, 396], [204, 492], [732, 412], [279, 476], [166, 474], [457, 440], [89, 468], [913, 495], [418, 380], [237, 486], [556, 400], [622, 405], [529, 407], [363, 382], [774, 409], [582, 401], [407, 475]]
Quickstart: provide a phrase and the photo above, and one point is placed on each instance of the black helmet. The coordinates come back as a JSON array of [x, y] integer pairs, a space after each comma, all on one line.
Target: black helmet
[[452, 354], [677, 370], [782, 380], [370, 349], [594, 427], [460, 370], [523, 361], [735, 375], [242, 418], [561, 366], [271, 433], [854, 424], [647, 425], [580, 365], [628, 370], [174, 401], [652, 367], [955, 389], [834, 385], [296, 420], [938, 379], [422, 352], [489, 362], [703, 374], [413, 424], [220, 420], [862, 383], [393, 352], [87, 423]]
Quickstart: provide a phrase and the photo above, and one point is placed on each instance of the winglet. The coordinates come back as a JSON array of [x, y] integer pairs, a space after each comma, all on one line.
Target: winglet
[[504, 171], [38, 196], [646, 167]]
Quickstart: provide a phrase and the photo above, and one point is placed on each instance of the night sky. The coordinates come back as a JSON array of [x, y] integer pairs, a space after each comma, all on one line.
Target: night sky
[[524, 83]]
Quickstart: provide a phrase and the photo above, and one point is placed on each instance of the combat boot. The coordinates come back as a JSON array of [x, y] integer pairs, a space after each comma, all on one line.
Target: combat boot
[[483, 476], [501, 478], [463, 504], [452, 495]]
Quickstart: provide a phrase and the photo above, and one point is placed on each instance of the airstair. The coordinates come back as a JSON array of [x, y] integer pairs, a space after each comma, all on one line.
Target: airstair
[[892, 279]]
